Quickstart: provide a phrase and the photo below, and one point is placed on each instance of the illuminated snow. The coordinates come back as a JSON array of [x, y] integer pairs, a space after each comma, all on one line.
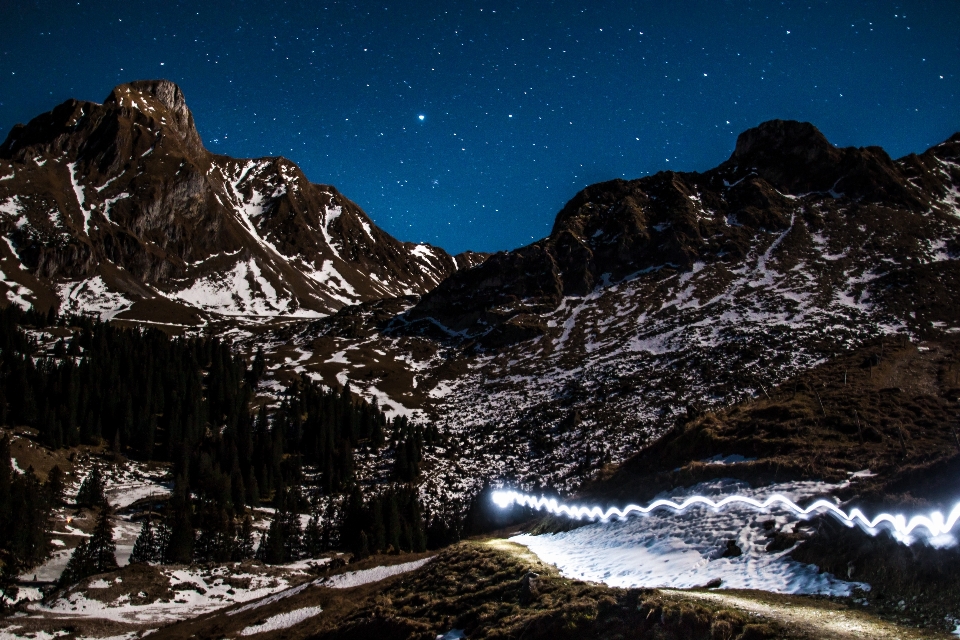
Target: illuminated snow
[[684, 550]]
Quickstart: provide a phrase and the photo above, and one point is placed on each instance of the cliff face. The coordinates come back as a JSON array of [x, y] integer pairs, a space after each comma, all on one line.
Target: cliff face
[[656, 299], [112, 206], [616, 229]]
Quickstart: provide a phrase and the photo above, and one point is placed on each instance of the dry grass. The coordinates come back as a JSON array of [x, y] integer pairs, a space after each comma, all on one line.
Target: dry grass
[[477, 587], [894, 414], [891, 407]]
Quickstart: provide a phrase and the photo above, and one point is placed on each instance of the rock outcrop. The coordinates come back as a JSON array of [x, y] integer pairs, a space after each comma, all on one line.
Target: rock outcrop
[[118, 208]]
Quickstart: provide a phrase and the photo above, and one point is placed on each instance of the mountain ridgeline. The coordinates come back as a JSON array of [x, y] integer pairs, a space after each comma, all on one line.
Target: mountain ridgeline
[[651, 302], [118, 208], [613, 230]]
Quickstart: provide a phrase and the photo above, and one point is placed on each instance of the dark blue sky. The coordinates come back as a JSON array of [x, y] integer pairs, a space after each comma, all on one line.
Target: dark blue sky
[[470, 124]]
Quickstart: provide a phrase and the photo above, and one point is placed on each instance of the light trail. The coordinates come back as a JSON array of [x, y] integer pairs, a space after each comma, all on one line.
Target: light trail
[[934, 523]]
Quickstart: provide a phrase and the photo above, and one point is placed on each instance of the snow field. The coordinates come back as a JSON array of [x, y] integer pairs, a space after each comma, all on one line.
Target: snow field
[[195, 592], [686, 550]]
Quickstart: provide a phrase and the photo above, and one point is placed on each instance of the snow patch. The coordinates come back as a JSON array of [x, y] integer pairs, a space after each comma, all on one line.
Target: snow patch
[[390, 407], [735, 458], [231, 293], [11, 207], [366, 576], [78, 191], [282, 621], [92, 296], [329, 215], [109, 202]]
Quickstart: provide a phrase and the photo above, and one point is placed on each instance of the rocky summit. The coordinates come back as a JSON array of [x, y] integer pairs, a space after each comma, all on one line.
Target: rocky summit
[[118, 208]]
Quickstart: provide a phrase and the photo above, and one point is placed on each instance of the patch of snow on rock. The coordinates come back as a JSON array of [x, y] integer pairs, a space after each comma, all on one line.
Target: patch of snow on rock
[[92, 296]]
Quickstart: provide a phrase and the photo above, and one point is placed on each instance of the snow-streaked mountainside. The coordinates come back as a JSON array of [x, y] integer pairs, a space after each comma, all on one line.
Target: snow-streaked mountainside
[[683, 333], [653, 300], [119, 210]]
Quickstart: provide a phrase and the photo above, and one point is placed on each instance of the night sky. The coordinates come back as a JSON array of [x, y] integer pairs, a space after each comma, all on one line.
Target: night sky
[[469, 124]]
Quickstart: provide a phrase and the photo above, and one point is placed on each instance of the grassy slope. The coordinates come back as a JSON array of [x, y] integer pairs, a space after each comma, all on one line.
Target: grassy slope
[[895, 414], [890, 407], [475, 586]]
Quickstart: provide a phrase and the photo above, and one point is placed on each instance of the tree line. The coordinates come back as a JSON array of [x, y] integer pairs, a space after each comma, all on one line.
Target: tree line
[[193, 402], [25, 509]]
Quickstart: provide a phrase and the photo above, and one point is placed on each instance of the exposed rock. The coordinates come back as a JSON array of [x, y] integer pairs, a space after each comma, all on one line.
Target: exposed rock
[[529, 587], [732, 550], [109, 205], [618, 229]]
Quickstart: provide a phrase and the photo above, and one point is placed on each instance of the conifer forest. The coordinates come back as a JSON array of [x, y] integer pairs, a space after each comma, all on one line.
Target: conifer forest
[[192, 403]]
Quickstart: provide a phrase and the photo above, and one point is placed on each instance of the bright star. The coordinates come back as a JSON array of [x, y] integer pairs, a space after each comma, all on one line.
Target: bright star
[[421, 117]]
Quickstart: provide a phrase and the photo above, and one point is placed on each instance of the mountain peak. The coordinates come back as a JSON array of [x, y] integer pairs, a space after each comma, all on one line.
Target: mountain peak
[[782, 138], [797, 159], [169, 95], [793, 156]]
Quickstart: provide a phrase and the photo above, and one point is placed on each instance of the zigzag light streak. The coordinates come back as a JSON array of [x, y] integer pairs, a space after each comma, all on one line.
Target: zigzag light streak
[[934, 523]]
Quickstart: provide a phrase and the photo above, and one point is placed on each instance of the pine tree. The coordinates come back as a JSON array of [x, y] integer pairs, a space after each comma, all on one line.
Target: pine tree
[[162, 537], [55, 485], [216, 536], [392, 522], [6, 485], [284, 539], [79, 566], [272, 545], [363, 549], [253, 492], [378, 534], [313, 538], [418, 542], [103, 550], [146, 549], [243, 548], [377, 438], [91, 490], [181, 538], [8, 586]]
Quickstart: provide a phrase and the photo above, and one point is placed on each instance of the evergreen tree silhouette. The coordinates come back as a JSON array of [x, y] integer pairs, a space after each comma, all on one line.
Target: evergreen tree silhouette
[[91, 493], [79, 566], [102, 549], [243, 549], [55, 485], [146, 548]]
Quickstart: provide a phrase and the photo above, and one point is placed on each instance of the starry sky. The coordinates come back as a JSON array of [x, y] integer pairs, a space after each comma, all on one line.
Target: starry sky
[[469, 124]]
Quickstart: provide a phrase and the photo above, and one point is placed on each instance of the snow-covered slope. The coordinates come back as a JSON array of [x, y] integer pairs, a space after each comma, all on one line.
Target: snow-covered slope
[[654, 300], [118, 209], [689, 550]]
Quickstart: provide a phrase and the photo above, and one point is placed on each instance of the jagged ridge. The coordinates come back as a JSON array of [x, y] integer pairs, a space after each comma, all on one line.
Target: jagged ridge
[[612, 230], [119, 208]]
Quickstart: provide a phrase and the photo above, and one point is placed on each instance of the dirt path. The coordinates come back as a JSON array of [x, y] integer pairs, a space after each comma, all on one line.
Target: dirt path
[[819, 619]]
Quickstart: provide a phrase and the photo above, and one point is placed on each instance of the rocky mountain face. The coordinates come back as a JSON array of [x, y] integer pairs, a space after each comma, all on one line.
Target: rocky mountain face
[[653, 300], [118, 208], [616, 230]]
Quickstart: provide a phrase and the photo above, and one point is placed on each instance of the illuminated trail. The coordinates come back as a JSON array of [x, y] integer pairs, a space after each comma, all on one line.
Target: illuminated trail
[[934, 523]]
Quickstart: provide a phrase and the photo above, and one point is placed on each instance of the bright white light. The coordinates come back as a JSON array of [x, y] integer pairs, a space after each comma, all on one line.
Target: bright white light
[[421, 117], [934, 523]]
